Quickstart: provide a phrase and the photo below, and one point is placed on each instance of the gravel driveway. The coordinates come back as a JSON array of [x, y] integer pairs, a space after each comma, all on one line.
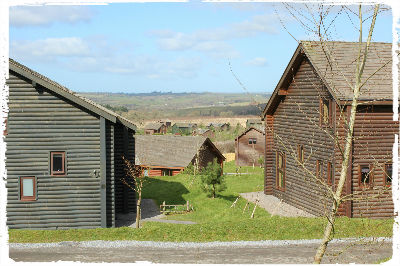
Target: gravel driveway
[[242, 252], [274, 206]]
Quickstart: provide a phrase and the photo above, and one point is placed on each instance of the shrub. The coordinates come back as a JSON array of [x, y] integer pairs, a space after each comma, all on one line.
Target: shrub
[[212, 180]]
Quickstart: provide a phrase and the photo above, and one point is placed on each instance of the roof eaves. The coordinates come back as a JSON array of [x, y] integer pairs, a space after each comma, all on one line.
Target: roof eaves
[[68, 94]]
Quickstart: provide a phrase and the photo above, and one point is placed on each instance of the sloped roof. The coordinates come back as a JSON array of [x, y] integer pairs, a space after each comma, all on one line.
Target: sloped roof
[[338, 72], [184, 125], [168, 150], [70, 95], [254, 121], [335, 64], [155, 126], [259, 129]]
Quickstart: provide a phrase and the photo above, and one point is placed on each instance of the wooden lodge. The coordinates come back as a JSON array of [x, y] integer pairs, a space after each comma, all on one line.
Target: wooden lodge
[[155, 128], [183, 128], [64, 156], [249, 147], [309, 105], [168, 155]]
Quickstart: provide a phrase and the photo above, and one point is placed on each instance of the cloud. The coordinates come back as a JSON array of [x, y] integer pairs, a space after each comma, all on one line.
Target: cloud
[[257, 61], [50, 48], [23, 16], [97, 54], [213, 41]]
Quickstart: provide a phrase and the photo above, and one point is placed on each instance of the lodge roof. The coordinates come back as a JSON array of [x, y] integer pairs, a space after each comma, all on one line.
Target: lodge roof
[[169, 150], [335, 62], [57, 88], [155, 126]]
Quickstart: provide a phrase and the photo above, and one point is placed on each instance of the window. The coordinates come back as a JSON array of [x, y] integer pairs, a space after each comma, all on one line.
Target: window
[[166, 172], [319, 169], [280, 170], [388, 174], [27, 188], [325, 112], [252, 141], [300, 153], [330, 174], [365, 175], [57, 163]]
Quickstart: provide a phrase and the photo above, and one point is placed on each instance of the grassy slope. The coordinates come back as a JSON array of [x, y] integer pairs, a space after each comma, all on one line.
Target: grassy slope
[[216, 220]]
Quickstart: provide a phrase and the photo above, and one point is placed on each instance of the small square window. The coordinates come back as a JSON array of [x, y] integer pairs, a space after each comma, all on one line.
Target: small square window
[[388, 174], [365, 175], [252, 141], [27, 188], [57, 163]]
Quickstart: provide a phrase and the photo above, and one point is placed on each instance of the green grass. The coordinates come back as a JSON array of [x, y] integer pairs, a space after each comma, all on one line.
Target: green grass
[[216, 221]]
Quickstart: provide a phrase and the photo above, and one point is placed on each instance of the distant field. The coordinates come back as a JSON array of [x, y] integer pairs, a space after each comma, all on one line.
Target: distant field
[[174, 101], [205, 120]]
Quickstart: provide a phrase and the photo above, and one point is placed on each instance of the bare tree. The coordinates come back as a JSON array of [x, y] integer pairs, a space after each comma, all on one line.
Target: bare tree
[[319, 22], [135, 180]]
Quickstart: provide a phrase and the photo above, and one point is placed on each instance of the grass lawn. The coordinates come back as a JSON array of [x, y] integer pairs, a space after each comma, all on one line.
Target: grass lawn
[[216, 221]]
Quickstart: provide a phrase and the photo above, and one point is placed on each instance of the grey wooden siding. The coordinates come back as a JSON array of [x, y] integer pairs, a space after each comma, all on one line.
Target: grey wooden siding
[[110, 188], [296, 122], [124, 196], [40, 122]]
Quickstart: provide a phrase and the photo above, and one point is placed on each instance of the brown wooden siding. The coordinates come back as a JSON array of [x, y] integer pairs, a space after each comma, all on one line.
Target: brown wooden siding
[[296, 122], [39, 122], [373, 143], [248, 154], [269, 154]]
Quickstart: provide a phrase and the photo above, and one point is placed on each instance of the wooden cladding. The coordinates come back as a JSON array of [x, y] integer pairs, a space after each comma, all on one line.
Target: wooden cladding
[[57, 163], [283, 92], [300, 153], [27, 188]]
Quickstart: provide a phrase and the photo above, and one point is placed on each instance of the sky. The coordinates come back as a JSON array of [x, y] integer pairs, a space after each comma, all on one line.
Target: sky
[[178, 47]]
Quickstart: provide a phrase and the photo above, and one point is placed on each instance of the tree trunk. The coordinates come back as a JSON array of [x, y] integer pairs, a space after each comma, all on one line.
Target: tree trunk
[[138, 210], [349, 138]]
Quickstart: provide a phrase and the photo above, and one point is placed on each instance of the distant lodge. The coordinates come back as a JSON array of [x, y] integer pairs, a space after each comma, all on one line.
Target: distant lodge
[[250, 147], [168, 155]]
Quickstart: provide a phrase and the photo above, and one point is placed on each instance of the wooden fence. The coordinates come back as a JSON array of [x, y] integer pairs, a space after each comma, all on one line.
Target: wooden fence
[[164, 208]]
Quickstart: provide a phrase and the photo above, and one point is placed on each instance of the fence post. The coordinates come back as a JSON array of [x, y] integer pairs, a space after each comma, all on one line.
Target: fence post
[[187, 206], [163, 206]]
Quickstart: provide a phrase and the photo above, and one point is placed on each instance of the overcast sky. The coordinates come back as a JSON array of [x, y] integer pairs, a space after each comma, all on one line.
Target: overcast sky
[[179, 47]]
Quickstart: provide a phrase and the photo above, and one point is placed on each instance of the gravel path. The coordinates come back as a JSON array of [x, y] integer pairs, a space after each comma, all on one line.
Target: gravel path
[[242, 252], [275, 206], [150, 212]]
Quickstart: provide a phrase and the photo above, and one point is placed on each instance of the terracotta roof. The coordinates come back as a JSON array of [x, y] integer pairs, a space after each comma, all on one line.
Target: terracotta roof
[[338, 73], [63, 91], [168, 150]]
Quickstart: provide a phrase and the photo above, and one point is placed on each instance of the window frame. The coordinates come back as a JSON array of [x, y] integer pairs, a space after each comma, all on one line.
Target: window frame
[[319, 168], [64, 164], [386, 175], [330, 174], [283, 170], [371, 175], [300, 152], [21, 189], [321, 112], [253, 141]]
